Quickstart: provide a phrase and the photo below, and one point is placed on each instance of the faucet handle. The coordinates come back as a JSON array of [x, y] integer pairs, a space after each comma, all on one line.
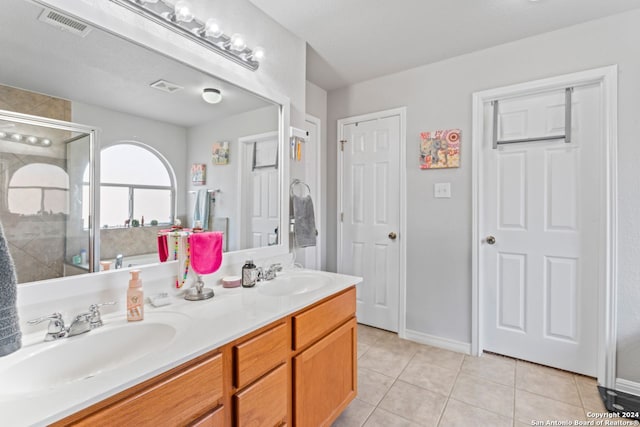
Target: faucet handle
[[94, 311], [56, 326], [276, 267]]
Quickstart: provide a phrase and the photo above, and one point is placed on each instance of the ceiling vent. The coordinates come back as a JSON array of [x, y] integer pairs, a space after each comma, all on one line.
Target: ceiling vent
[[64, 22], [166, 86]]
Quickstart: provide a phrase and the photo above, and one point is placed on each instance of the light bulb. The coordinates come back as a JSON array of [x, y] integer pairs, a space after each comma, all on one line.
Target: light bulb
[[46, 142], [258, 53], [237, 42], [16, 137], [183, 12], [212, 28], [3, 134], [32, 139]]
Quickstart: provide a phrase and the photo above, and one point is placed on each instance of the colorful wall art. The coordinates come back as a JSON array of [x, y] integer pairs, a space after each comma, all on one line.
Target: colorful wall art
[[198, 174], [440, 149], [220, 153]]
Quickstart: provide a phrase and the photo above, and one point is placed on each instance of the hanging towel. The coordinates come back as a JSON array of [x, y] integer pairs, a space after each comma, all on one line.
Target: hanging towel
[[206, 251], [163, 247], [304, 228], [201, 208], [10, 335]]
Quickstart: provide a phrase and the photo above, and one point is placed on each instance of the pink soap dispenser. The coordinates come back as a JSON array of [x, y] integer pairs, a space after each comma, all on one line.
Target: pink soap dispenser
[[135, 298]]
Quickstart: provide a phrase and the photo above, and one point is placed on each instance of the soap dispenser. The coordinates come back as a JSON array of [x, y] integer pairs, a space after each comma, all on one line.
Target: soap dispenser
[[135, 298]]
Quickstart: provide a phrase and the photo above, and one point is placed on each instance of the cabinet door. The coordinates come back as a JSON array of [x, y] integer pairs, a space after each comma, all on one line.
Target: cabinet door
[[325, 377], [263, 403], [212, 419]]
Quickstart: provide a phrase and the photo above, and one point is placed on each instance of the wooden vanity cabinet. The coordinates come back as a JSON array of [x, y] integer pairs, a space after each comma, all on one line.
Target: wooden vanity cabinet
[[300, 370]]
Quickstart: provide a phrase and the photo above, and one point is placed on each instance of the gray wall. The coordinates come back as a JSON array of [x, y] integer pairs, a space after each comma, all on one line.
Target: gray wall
[[438, 96]]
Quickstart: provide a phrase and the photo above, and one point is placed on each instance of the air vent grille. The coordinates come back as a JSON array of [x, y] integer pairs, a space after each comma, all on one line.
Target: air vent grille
[[64, 22], [166, 86]]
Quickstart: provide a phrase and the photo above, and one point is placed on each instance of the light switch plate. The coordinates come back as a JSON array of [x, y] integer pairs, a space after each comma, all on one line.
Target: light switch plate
[[442, 190]]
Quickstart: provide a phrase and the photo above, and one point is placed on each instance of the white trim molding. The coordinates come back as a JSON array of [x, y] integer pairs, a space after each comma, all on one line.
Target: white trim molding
[[627, 386], [402, 266], [447, 344], [607, 79]]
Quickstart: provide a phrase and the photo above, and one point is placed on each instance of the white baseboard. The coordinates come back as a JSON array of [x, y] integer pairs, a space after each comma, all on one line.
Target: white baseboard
[[446, 343], [627, 386]]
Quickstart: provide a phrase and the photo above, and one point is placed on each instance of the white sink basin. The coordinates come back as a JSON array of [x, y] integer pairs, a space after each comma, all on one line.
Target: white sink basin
[[67, 360], [294, 283]]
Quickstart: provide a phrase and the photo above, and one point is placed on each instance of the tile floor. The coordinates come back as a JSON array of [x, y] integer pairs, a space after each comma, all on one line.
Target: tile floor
[[402, 383]]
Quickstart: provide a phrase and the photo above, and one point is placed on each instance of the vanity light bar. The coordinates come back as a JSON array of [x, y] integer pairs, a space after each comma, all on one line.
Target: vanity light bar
[[179, 18], [25, 139]]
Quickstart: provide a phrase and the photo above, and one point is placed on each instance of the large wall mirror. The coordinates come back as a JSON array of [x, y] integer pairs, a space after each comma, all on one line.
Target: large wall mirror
[[162, 152]]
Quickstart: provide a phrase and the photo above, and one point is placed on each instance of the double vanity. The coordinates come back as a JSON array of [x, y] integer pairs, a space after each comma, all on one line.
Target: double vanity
[[282, 353]]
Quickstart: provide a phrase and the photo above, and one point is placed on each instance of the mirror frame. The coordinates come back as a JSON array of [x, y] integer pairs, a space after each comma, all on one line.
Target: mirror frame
[[130, 26]]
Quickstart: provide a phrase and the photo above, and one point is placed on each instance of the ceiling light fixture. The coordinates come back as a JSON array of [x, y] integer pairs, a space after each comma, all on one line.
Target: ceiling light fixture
[[179, 17], [212, 96]]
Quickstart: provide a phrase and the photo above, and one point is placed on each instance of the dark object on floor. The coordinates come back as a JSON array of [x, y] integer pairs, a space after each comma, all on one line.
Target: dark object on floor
[[625, 404]]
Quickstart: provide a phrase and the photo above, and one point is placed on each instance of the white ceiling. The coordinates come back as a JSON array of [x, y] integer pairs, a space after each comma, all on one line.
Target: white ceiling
[[356, 40], [104, 70]]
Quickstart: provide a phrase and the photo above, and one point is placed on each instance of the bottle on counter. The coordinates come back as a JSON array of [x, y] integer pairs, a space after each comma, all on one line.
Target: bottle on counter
[[249, 274], [135, 298]]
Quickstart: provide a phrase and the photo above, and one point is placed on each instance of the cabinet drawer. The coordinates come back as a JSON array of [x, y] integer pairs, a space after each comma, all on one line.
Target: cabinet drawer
[[212, 419], [264, 403], [260, 354], [317, 321], [177, 401]]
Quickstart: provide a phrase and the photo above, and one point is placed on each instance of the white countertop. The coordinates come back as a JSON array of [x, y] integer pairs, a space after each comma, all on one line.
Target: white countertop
[[204, 326]]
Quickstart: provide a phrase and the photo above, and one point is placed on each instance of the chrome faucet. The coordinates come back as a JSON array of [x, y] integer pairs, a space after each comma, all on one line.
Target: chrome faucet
[[83, 322], [270, 272]]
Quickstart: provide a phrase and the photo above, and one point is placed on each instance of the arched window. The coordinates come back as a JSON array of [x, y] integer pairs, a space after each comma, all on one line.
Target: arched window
[[39, 188], [135, 183]]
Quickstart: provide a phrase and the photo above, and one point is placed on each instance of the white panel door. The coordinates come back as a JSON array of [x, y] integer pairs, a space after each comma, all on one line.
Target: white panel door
[[370, 207], [260, 196], [541, 203]]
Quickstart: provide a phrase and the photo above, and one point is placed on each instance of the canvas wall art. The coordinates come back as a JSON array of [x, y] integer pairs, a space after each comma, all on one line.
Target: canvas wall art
[[220, 153], [440, 149], [198, 174]]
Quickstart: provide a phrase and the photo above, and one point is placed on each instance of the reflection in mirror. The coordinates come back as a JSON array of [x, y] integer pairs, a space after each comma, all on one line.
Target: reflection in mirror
[[41, 198], [166, 154]]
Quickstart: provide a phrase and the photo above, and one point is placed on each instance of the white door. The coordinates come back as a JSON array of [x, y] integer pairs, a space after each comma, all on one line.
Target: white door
[[259, 205], [370, 220], [311, 166], [541, 202]]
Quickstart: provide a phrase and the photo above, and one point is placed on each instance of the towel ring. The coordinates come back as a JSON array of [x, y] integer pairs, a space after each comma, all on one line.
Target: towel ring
[[296, 182]]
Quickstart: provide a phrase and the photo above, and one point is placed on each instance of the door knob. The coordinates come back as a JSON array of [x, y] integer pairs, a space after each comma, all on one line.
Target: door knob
[[491, 240], [393, 235]]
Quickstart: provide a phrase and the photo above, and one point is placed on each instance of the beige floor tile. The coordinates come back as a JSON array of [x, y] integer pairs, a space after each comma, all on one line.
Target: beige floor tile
[[386, 361], [484, 394], [494, 368], [372, 386], [355, 415], [441, 357], [421, 372], [393, 342], [382, 418], [369, 335], [459, 414], [362, 349], [548, 382], [412, 402], [588, 389], [531, 406]]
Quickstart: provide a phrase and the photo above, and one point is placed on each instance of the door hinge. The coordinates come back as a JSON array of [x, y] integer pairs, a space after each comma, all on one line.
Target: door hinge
[[342, 142], [341, 216]]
